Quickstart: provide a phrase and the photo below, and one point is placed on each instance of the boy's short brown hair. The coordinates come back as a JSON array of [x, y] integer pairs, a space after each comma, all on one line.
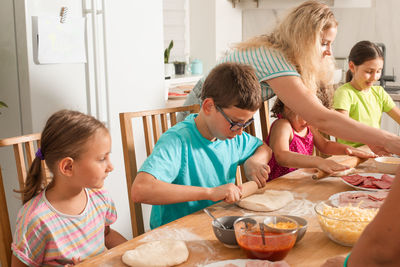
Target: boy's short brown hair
[[233, 84]]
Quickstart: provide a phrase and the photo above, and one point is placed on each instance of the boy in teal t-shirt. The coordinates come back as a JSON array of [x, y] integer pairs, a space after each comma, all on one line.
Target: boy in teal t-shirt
[[194, 163]]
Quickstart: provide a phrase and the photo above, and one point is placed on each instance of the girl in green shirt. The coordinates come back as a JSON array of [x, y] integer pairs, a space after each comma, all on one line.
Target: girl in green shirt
[[359, 98]]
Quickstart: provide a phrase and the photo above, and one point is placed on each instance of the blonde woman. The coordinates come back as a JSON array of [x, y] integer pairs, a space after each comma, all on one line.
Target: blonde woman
[[295, 63]]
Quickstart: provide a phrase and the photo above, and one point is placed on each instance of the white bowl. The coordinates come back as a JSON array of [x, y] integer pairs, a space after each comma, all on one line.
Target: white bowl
[[387, 164]]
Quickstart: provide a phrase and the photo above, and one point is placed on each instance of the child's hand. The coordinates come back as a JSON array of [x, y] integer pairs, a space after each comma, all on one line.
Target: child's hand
[[257, 171], [75, 262], [351, 151], [228, 192], [330, 166], [378, 150]]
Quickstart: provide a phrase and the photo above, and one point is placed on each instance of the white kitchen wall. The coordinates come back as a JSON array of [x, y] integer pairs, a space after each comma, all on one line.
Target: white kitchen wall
[[176, 28], [214, 26]]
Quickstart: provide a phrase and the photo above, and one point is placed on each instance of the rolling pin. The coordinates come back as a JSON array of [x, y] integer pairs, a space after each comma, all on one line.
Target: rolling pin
[[351, 162], [249, 188]]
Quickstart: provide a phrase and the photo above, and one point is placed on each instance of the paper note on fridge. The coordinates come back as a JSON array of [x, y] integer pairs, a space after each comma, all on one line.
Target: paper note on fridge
[[58, 42]]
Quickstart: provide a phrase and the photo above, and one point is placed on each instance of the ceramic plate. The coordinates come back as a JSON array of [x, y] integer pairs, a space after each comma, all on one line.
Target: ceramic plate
[[375, 175], [335, 197], [238, 262], [177, 95]]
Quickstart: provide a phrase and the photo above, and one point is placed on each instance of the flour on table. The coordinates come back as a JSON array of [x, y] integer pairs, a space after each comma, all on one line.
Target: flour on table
[[157, 254], [345, 172], [298, 207], [171, 233], [202, 246], [269, 200]]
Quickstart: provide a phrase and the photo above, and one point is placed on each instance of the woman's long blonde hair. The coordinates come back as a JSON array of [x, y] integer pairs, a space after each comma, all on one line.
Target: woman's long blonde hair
[[298, 37]]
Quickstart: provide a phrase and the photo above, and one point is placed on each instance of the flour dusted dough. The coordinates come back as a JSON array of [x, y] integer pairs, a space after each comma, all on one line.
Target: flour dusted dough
[[269, 200], [157, 254]]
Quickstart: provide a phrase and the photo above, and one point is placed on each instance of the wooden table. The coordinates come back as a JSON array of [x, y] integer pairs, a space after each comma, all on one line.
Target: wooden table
[[204, 248]]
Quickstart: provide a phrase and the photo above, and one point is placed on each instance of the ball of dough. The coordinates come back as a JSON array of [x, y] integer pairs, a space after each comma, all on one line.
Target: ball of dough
[[157, 253], [269, 200]]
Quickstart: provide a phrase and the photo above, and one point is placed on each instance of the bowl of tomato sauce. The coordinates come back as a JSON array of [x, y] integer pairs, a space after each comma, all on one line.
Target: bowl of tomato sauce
[[259, 238]]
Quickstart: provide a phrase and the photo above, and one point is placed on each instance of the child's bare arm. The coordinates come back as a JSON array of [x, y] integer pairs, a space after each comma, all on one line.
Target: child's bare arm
[[280, 139], [112, 238], [394, 113], [147, 189], [256, 167]]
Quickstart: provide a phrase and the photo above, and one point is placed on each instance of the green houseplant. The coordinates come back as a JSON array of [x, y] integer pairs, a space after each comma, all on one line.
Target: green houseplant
[[167, 52], [169, 68]]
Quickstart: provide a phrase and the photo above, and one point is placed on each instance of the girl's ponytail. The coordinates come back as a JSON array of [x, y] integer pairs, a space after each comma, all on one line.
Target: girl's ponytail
[[34, 181], [349, 76]]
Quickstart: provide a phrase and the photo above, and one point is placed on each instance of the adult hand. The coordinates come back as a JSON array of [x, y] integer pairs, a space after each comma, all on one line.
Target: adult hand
[[330, 166], [257, 171], [228, 192], [380, 151], [334, 262], [351, 151]]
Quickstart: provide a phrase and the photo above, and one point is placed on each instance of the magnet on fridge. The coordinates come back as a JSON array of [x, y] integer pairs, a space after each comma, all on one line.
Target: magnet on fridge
[[63, 14]]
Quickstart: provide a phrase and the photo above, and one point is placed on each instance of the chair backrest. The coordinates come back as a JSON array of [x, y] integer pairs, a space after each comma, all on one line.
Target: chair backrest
[[24, 153], [155, 123], [264, 121]]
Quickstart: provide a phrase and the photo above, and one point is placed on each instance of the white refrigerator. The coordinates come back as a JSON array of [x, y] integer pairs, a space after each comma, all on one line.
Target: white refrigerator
[[124, 72]]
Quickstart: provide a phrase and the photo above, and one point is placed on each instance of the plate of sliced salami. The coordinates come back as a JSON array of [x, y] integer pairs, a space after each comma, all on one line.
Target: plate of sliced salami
[[361, 199], [369, 181]]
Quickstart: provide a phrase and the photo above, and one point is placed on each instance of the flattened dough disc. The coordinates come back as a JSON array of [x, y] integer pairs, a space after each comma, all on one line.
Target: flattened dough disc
[[269, 200], [158, 253]]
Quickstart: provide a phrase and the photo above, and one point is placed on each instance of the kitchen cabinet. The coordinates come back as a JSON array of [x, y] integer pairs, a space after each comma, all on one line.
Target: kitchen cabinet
[[387, 123]]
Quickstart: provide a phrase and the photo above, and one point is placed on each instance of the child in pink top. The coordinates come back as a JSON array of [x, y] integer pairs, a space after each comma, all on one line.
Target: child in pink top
[[292, 141], [69, 220]]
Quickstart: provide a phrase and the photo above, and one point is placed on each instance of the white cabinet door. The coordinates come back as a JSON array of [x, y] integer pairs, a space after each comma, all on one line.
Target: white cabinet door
[[388, 124]]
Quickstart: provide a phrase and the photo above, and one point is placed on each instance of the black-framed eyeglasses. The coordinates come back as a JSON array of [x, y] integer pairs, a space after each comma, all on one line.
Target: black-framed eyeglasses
[[235, 126]]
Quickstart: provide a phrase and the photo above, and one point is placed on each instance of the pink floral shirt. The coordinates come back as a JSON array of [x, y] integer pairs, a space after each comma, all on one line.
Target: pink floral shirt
[[301, 145]]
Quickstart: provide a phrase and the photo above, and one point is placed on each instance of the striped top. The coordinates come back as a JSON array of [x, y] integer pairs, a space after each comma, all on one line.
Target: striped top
[[47, 237], [268, 64]]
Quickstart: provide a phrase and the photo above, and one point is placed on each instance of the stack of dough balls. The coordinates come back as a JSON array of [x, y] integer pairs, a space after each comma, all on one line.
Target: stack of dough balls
[[157, 254]]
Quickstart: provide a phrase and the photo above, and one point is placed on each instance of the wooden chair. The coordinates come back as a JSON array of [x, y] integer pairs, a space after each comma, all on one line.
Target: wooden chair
[[155, 122], [24, 153], [264, 121]]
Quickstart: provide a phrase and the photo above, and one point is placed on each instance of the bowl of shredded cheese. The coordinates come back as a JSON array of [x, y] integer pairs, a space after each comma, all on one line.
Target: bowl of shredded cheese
[[345, 224]]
